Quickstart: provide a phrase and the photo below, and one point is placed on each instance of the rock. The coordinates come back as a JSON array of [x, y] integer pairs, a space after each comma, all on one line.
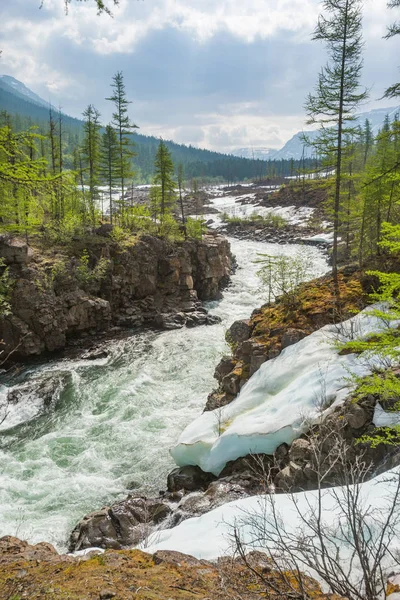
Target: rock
[[124, 524], [356, 416], [231, 383], [300, 451], [153, 282], [239, 332], [292, 336], [288, 479], [95, 354], [225, 366], [105, 230], [217, 399], [172, 557], [15, 250], [189, 478], [107, 594]]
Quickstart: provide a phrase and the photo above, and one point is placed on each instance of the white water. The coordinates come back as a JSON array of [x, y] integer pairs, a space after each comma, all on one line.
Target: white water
[[117, 419]]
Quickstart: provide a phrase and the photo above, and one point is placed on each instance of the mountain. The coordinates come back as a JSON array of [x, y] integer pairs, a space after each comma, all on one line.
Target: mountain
[[17, 88], [294, 147], [254, 153], [28, 109]]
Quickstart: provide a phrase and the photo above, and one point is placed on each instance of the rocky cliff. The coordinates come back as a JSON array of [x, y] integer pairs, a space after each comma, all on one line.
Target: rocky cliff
[[98, 284]]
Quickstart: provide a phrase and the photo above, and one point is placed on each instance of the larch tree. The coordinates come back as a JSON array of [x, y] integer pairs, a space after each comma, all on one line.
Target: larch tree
[[181, 183], [123, 127], [109, 164], [394, 29], [163, 191], [337, 94], [91, 154]]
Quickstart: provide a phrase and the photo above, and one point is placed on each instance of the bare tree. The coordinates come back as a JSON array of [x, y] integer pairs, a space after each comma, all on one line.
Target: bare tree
[[337, 535]]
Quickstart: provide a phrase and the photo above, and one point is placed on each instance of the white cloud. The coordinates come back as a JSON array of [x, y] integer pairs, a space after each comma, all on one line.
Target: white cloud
[[215, 101]]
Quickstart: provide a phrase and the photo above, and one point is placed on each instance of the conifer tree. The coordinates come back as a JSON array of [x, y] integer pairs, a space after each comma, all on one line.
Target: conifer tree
[[181, 182], [394, 29], [109, 164], [123, 126], [163, 194], [91, 154], [337, 93]]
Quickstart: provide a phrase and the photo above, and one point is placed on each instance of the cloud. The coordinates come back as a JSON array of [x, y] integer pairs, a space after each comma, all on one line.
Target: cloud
[[217, 74]]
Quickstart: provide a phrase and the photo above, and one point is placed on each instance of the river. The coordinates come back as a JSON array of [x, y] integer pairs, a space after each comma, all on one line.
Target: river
[[111, 427]]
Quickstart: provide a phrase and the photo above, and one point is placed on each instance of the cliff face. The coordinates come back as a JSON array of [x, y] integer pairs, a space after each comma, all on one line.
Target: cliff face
[[103, 284]]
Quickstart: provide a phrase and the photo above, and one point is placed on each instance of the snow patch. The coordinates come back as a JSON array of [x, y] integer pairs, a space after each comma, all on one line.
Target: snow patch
[[280, 400]]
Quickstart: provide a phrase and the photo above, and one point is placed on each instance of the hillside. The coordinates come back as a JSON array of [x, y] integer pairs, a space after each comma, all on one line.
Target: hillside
[[17, 99]]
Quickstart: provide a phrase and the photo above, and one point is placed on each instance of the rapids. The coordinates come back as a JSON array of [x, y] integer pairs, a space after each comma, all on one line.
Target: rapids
[[110, 428]]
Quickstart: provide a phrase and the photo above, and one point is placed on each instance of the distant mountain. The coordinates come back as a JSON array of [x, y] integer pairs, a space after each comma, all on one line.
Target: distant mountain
[[17, 88], [254, 153], [294, 147], [29, 109]]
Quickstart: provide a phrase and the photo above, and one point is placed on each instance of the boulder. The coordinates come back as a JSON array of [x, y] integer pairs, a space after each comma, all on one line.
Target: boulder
[[15, 251], [188, 478], [125, 523], [231, 383], [300, 451], [239, 332], [356, 416]]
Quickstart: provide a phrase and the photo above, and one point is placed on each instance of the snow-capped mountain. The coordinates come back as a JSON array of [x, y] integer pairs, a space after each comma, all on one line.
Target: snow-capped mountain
[[255, 153], [294, 147]]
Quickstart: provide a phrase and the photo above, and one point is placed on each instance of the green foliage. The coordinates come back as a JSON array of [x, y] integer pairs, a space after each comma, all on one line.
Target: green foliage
[[282, 275], [389, 436], [139, 218], [195, 228], [124, 127], [337, 95], [86, 275], [385, 385], [270, 220], [163, 195], [170, 229], [5, 289]]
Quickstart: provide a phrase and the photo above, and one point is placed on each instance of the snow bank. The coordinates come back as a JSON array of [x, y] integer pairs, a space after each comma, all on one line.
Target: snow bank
[[383, 418], [278, 402], [320, 238], [210, 536]]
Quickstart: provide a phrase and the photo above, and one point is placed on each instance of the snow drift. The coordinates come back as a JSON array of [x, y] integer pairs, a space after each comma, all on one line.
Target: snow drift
[[277, 404]]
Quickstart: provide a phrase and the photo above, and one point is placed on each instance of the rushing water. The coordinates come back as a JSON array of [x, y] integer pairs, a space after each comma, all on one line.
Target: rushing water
[[111, 427]]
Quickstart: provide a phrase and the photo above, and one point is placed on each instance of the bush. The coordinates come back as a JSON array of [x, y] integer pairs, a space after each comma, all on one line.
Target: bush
[[269, 220], [195, 228]]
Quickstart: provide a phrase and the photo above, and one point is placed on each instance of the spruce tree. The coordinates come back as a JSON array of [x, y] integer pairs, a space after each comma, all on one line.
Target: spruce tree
[[337, 93], [123, 126], [109, 164]]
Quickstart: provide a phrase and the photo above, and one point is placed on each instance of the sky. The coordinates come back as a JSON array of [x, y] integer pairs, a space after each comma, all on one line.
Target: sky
[[218, 74]]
